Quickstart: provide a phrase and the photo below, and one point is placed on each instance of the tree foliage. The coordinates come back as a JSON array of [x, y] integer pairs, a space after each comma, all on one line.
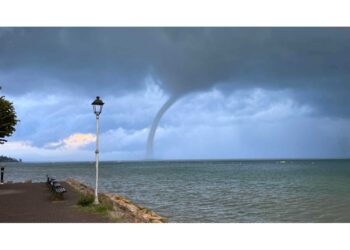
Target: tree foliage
[[8, 119]]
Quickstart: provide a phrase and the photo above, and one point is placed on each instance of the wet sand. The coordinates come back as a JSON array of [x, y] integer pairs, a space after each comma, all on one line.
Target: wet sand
[[33, 203]]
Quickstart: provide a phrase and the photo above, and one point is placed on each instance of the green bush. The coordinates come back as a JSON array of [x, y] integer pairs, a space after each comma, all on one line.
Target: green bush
[[8, 119], [86, 200]]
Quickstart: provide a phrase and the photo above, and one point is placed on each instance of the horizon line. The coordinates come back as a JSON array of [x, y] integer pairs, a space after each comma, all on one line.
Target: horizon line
[[192, 160]]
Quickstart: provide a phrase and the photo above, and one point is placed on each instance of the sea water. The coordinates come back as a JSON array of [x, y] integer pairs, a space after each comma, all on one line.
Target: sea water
[[216, 191]]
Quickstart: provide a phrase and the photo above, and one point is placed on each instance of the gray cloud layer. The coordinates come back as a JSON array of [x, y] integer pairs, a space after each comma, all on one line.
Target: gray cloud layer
[[314, 62], [69, 66]]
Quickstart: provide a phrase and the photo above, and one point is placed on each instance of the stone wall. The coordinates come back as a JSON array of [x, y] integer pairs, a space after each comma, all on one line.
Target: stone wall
[[122, 208]]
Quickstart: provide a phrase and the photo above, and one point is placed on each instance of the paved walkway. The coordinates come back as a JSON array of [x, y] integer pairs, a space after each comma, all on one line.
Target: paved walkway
[[30, 202]]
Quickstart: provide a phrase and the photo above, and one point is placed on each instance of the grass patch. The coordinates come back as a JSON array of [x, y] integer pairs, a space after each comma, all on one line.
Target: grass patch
[[86, 203], [86, 200]]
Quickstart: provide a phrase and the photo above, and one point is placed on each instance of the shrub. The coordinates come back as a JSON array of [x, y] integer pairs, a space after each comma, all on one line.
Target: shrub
[[86, 200]]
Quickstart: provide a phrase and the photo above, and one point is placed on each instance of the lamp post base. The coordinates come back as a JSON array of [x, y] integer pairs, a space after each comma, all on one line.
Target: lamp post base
[[96, 202]]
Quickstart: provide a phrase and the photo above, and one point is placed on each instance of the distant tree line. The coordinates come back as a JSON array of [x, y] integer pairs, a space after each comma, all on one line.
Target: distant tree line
[[8, 159], [8, 119]]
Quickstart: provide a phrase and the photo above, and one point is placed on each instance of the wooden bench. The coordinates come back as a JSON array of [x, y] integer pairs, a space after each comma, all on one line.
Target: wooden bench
[[55, 187]]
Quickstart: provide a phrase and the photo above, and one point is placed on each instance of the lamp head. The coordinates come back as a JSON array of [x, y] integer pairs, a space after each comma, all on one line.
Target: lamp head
[[97, 105]]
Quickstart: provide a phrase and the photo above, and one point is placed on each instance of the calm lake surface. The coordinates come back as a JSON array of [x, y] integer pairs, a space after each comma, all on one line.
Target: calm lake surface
[[217, 191]]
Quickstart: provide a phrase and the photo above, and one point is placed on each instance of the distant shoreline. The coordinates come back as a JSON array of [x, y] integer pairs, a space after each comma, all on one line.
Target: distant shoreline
[[8, 159], [191, 160]]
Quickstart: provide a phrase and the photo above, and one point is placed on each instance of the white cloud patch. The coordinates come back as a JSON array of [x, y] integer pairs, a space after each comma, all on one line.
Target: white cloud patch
[[28, 152], [297, 138], [253, 123], [74, 141]]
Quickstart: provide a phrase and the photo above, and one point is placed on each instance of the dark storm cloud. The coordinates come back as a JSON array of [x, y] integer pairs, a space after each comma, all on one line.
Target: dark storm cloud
[[79, 58], [312, 62]]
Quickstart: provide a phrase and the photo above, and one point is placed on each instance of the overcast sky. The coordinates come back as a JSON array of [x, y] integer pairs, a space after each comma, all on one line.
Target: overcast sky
[[240, 92]]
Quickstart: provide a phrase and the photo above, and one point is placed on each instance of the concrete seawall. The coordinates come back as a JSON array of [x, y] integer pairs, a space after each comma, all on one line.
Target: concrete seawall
[[121, 207]]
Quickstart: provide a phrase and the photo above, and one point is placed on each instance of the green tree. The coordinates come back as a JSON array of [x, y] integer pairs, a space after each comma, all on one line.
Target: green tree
[[8, 119]]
